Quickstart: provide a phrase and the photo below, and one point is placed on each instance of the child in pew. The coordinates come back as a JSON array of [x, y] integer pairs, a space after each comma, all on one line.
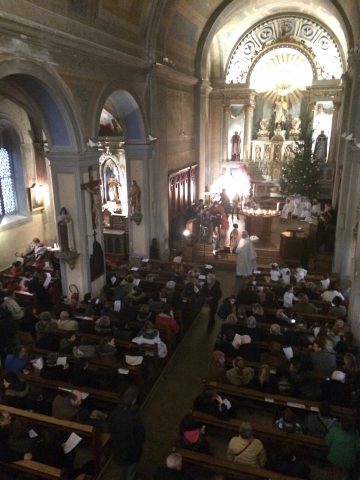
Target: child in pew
[[288, 422]]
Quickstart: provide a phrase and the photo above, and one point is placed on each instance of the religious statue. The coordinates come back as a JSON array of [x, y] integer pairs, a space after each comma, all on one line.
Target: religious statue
[[320, 151], [96, 203], [267, 152], [281, 111], [65, 231], [295, 127], [114, 189], [235, 147], [258, 153], [287, 153], [134, 198], [263, 130]]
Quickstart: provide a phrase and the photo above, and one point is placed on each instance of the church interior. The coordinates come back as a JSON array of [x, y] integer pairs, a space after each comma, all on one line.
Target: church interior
[[123, 125]]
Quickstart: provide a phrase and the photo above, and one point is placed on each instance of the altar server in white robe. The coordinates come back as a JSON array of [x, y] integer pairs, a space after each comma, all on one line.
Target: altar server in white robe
[[246, 256], [288, 208]]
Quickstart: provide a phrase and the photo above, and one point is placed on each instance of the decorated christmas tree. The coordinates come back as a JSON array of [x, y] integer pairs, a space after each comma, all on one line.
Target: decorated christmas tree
[[302, 174]]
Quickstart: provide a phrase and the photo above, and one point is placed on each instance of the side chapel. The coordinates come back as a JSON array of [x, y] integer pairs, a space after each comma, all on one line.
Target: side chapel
[[115, 116]]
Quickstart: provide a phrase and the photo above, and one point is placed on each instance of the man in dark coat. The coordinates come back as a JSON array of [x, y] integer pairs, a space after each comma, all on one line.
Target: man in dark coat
[[127, 434], [173, 469], [212, 293]]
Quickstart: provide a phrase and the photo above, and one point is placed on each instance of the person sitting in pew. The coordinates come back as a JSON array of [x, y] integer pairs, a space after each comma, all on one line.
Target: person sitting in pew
[[85, 349], [13, 285], [303, 305], [274, 357], [318, 424], [67, 408], [173, 469], [258, 312], [52, 371], [265, 381], [7, 330], [80, 376], [274, 334], [49, 340], [155, 301], [225, 345], [45, 319], [68, 342], [149, 335], [192, 436], [86, 324], [213, 404], [6, 453], [332, 292], [48, 451], [166, 319], [271, 300], [36, 402], [16, 362], [240, 375], [42, 294], [247, 296], [67, 323], [337, 309], [287, 423], [351, 369], [148, 286], [246, 449], [103, 326], [308, 388], [173, 297], [254, 332], [217, 367], [227, 307], [336, 391], [11, 304], [15, 392], [136, 296], [61, 306], [144, 314], [285, 461], [29, 320], [107, 350], [289, 296], [16, 269], [248, 351], [19, 441]]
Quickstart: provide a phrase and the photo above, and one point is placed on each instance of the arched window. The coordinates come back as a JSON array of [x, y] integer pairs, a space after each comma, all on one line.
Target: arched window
[[7, 190]]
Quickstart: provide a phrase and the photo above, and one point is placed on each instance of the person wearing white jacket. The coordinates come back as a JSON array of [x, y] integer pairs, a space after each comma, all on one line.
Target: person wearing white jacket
[[150, 336]]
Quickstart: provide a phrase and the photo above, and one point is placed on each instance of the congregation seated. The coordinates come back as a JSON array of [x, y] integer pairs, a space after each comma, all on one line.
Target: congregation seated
[[103, 326], [337, 309], [336, 391], [67, 342], [251, 329], [274, 357], [80, 376], [248, 351], [191, 435], [148, 286], [227, 307], [29, 321], [331, 292], [7, 327], [309, 289], [61, 306], [144, 314], [274, 334], [351, 369], [225, 344], [155, 301], [247, 296], [45, 319], [107, 350], [270, 301], [173, 298], [15, 391], [217, 366], [16, 362], [85, 349], [136, 296], [37, 288], [258, 313], [285, 461]]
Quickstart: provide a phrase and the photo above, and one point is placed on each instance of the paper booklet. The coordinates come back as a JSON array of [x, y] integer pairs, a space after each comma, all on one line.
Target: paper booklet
[[71, 442]]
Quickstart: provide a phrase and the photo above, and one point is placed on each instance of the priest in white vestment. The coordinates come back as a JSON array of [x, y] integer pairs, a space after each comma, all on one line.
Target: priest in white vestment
[[246, 256]]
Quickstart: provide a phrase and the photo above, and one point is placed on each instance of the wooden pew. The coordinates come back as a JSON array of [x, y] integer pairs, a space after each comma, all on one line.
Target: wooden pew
[[199, 461], [110, 399], [278, 402], [99, 441], [266, 434]]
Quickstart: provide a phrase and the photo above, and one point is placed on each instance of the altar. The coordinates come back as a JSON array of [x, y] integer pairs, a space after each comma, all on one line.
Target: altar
[[258, 225]]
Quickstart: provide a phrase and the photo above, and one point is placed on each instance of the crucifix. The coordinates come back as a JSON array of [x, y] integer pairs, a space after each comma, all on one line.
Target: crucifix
[[93, 187]]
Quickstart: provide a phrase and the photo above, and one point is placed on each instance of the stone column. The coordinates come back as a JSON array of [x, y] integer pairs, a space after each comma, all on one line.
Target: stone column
[[334, 132], [225, 136], [202, 92], [138, 160], [69, 171], [249, 113]]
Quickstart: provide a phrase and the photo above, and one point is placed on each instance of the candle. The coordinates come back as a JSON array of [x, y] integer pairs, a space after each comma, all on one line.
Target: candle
[[277, 206]]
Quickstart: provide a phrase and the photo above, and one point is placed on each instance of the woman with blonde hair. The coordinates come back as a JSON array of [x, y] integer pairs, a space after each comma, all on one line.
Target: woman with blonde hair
[[240, 375], [217, 367]]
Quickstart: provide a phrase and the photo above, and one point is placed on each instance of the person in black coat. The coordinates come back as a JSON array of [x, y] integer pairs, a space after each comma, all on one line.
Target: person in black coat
[[227, 307], [211, 403], [173, 469], [79, 376], [7, 330], [247, 296], [42, 295], [248, 351], [29, 320], [335, 391], [52, 371], [49, 340], [127, 433], [212, 293], [225, 344]]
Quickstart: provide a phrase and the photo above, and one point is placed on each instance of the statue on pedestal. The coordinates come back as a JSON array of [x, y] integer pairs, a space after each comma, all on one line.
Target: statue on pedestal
[[263, 130], [235, 147], [281, 111], [320, 151], [295, 127]]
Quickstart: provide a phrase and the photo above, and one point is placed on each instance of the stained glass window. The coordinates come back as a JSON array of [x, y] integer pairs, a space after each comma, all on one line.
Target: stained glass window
[[7, 191]]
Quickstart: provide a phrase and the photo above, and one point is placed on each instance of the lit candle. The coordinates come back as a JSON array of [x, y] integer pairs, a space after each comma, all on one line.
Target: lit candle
[[277, 206]]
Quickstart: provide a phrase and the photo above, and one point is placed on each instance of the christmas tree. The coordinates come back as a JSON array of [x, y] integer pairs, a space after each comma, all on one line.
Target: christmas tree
[[302, 174]]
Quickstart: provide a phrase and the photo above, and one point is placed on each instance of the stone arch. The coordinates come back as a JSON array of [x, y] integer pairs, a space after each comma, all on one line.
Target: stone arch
[[46, 99], [125, 107], [225, 11]]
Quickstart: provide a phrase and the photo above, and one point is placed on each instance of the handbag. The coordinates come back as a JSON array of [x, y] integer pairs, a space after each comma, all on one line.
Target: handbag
[[243, 450]]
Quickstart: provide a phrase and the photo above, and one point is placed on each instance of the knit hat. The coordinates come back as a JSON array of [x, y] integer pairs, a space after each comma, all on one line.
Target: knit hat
[[52, 358], [45, 316]]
